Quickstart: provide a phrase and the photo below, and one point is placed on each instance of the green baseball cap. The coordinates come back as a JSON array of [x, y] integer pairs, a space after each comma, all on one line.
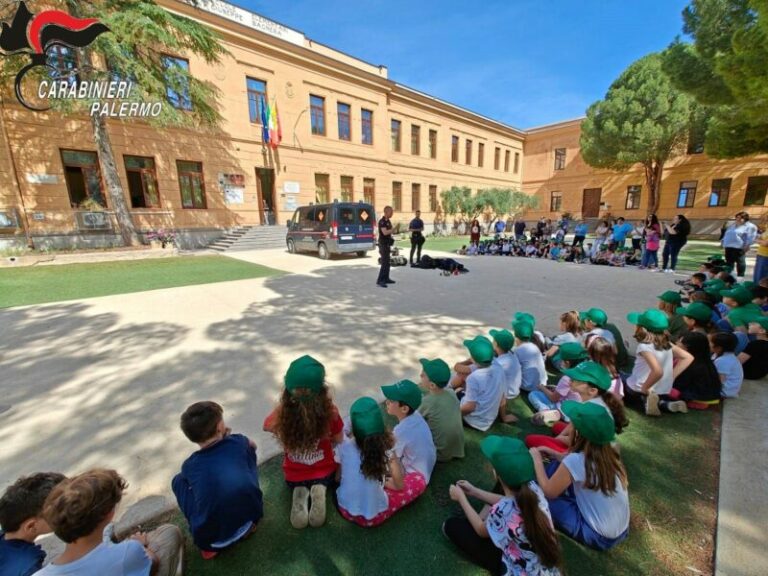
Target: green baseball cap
[[525, 317], [671, 297], [714, 283], [652, 319], [591, 421], [510, 458], [591, 373], [740, 294], [748, 284], [306, 373], [762, 320], [366, 417], [480, 348], [404, 391], [570, 351], [714, 293], [504, 339], [522, 329], [437, 371], [696, 310], [597, 316]]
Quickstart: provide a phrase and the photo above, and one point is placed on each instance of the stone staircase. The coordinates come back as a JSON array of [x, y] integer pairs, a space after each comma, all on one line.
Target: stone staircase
[[250, 238]]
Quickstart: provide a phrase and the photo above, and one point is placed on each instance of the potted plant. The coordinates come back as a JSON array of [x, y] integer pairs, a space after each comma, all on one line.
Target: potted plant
[[162, 238]]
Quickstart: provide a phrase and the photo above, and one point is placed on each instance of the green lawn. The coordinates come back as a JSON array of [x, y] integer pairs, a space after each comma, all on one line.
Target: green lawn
[[39, 284], [673, 470]]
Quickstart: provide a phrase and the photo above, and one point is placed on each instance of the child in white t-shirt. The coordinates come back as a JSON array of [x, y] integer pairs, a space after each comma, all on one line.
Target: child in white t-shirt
[[532, 368], [570, 331], [507, 367], [482, 394], [723, 346]]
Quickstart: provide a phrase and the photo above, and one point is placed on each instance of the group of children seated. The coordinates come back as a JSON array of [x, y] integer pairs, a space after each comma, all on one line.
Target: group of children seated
[[570, 479]]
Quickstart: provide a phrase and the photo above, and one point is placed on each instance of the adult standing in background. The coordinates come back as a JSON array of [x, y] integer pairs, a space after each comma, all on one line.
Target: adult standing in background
[[580, 233], [637, 236], [601, 235], [519, 229], [676, 237], [737, 238], [761, 264], [416, 228], [474, 232], [620, 231], [386, 241]]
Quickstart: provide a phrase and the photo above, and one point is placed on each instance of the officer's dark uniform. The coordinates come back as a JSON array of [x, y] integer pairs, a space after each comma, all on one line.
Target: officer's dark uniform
[[385, 245], [417, 238]]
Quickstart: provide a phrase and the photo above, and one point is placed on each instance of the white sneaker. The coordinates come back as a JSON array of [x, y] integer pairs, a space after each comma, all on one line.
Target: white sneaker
[[678, 406], [669, 271]]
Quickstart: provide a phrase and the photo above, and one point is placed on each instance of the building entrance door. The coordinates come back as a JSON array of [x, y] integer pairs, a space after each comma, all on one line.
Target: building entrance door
[[590, 205], [265, 184]]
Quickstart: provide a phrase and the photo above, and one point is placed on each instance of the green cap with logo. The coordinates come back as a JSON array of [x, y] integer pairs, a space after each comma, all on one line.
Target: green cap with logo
[[696, 310], [652, 319], [306, 373], [591, 420], [510, 458], [366, 417], [504, 339], [481, 349], [404, 391], [522, 329], [671, 297], [570, 351], [740, 294], [592, 373], [437, 371], [597, 316], [525, 317]]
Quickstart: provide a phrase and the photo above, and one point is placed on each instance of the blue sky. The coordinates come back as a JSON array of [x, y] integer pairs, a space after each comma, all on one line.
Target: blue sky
[[523, 62]]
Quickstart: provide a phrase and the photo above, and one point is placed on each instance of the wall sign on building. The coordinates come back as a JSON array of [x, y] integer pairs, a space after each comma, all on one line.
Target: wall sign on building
[[40, 178], [233, 187]]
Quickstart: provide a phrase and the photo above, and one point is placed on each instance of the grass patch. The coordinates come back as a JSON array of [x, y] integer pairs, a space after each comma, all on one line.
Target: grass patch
[[36, 285], [673, 471]]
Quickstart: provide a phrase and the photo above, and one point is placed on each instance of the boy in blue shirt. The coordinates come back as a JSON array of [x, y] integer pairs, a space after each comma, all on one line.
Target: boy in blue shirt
[[21, 519], [218, 486]]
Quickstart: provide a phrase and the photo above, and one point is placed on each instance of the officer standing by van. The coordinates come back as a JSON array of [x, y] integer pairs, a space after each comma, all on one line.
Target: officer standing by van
[[416, 228], [385, 245]]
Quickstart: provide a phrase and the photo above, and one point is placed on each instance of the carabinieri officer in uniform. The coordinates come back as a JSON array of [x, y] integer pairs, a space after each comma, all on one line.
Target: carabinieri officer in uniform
[[385, 244], [416, 228]]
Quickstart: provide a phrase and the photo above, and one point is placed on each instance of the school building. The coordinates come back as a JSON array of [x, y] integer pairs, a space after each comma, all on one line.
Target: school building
[[349, 132]]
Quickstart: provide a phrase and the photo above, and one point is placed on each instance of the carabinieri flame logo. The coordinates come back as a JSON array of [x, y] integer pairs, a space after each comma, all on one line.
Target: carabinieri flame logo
[[35, 34]]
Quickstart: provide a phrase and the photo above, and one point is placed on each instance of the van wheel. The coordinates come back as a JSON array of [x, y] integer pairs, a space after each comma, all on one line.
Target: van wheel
[[322, 251], [361, 254], [291, 247]]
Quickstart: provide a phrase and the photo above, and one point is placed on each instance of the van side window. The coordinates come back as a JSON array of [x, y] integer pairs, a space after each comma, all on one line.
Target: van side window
[[321, 215], [347, 215], [305, 217]]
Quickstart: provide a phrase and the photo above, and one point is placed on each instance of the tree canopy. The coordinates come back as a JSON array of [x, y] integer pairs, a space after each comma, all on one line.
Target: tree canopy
[[724, 68], [642, 119], [498, 202]]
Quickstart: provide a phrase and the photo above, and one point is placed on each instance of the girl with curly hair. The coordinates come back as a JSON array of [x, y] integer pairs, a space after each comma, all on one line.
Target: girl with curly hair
[[307, 424]]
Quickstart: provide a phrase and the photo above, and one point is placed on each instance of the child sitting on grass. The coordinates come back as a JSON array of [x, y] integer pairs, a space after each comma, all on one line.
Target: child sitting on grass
[[217, 489], [594, 321], [739, 301], [80, 509], [507, 367], [532, 368], [723, 345], [602, 352], [373, 485], [754, 358], [587, 487], [307, 424], [546, 401], [570, 331], [441, 409], [482, 394], [513, 534], [413, 439], [21, 520], [669, 302], [699, 383]]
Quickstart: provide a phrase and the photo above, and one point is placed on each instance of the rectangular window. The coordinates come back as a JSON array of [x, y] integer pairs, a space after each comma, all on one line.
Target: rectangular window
[[257, 91], [83, 177], [142, 182], [454, 148], [415, 197], [468, 152], [366, 120], [559, 158], [317, 114], [396, 127], [507, 155], [517, 162], [62, 63], [633, 197], [496, 158], [480, 154], [721, 189], [177, 82], [397, 196], [757, 186], [686, 194], [322, 188], [433, 143], [556, 202], [347, 189], [192, 184], [369, 191], [433, 198], [345, 118], [415, 139]]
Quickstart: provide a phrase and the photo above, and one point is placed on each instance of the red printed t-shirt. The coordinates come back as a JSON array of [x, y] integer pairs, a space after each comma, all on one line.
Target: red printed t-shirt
[[312, 464]]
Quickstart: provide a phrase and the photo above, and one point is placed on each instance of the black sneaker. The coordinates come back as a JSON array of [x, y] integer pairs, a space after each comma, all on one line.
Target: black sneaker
[[381, 284], [390, 282]]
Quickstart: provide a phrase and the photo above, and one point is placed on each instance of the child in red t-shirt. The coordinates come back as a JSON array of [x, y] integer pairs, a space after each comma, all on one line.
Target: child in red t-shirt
[[307, 424]]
